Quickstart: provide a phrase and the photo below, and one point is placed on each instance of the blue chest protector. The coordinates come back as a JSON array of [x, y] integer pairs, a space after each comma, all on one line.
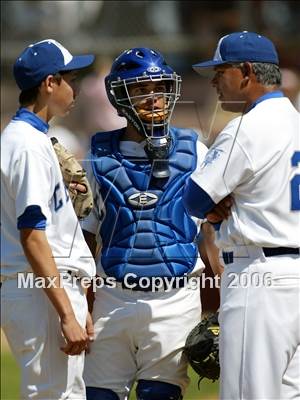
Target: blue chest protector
[[146, 230]]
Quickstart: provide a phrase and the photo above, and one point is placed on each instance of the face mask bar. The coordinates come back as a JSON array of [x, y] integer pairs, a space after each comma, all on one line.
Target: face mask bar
[[156, 130], [155, 119], [127, 103]]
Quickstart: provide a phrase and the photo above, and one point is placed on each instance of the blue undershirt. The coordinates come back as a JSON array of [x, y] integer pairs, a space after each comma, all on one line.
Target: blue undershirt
[[270, 95], [23, 114], [32, 217]]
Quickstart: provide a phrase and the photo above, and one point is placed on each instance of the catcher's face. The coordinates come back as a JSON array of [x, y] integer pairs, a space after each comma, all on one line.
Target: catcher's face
[[149, 100]]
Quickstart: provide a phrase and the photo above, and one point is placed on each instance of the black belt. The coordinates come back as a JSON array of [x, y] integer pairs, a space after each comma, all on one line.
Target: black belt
[[268, 252], [279, 251]]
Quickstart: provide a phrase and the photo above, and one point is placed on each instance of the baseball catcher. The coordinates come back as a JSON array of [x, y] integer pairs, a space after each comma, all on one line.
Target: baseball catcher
[[139, 172], [202, 348], [74, 178]]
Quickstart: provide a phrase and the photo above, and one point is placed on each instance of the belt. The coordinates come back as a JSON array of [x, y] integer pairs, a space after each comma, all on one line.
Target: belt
[[178, 283], [279, 251], [72, 274], [268, 252], [15, 276]]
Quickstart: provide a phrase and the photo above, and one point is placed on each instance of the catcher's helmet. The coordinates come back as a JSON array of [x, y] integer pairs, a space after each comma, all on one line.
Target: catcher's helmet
[[142, 65]]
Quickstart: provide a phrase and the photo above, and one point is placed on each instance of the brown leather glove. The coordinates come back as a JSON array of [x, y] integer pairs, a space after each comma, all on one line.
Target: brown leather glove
[[73, 172]]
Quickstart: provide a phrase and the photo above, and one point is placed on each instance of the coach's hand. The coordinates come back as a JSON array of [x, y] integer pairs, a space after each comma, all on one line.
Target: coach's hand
[[221, 211], [75, 336]]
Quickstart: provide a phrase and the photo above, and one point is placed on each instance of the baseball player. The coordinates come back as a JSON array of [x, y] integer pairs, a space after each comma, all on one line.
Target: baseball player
[[145, 310], [255, 159], [42, 245]]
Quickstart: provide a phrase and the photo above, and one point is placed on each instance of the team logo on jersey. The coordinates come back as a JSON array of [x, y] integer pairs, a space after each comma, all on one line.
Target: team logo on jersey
[[211, 156], [153, 69], [142, 199]]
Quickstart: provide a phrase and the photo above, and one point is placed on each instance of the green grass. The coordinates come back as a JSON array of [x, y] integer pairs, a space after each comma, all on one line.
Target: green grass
[[10, 383], [10, 377]]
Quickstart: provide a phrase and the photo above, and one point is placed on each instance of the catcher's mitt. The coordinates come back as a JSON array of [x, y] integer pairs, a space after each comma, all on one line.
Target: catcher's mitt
[[202, 348], [73, 172]]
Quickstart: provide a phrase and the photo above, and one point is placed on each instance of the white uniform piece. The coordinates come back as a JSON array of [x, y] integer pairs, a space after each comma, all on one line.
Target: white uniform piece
[[33, 331], [127, 323], [259, 316], [30, 175]]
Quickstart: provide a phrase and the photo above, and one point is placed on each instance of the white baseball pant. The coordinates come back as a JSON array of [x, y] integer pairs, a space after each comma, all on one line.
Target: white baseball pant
[[32, 328], [140, 335], [260, 327]]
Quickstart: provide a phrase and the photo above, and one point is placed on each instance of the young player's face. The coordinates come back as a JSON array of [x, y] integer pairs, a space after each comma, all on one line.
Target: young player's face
[[227, 81], [64, 94], [149, 100]]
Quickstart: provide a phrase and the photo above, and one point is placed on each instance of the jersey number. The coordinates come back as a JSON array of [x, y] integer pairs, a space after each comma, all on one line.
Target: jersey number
[[295, 184]]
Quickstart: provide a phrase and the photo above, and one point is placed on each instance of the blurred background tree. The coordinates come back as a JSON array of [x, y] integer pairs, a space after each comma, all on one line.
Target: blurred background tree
[[184, 31]]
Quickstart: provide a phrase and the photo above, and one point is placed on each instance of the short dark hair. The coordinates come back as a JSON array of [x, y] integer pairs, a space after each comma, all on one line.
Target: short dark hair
[[267, 74], [29, 96]]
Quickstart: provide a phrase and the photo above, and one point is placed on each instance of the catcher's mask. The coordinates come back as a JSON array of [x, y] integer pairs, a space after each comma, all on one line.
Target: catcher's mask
[[144, 89]]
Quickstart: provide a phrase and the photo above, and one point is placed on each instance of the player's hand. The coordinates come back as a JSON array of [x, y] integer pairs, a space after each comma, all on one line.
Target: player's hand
[[89, 330], [75, 336], [78, 186], [221, 211]]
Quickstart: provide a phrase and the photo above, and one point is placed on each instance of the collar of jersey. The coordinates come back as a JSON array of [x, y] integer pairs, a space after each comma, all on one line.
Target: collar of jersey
[[23, 114], [266, 96]]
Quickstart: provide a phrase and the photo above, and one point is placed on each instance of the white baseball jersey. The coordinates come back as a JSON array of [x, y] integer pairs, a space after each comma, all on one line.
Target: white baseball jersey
[[93, 222], [30, 175], [256, 158]]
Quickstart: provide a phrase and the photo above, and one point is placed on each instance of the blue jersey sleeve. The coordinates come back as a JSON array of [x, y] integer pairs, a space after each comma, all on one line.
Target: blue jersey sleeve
[[32, 218], [197, 202]]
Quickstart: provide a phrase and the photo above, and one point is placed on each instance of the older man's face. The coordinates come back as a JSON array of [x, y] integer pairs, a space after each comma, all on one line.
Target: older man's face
[[228, 83]]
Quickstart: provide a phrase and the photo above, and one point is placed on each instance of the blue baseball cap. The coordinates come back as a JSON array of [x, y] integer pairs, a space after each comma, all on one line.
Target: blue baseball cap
[[241, 47], [44, 58]]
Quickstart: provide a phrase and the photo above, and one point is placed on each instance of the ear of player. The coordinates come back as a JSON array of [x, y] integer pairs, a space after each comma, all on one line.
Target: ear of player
[[202, 348]]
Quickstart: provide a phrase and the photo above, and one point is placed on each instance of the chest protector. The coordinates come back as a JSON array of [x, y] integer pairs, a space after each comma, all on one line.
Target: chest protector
[[146, 230]]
